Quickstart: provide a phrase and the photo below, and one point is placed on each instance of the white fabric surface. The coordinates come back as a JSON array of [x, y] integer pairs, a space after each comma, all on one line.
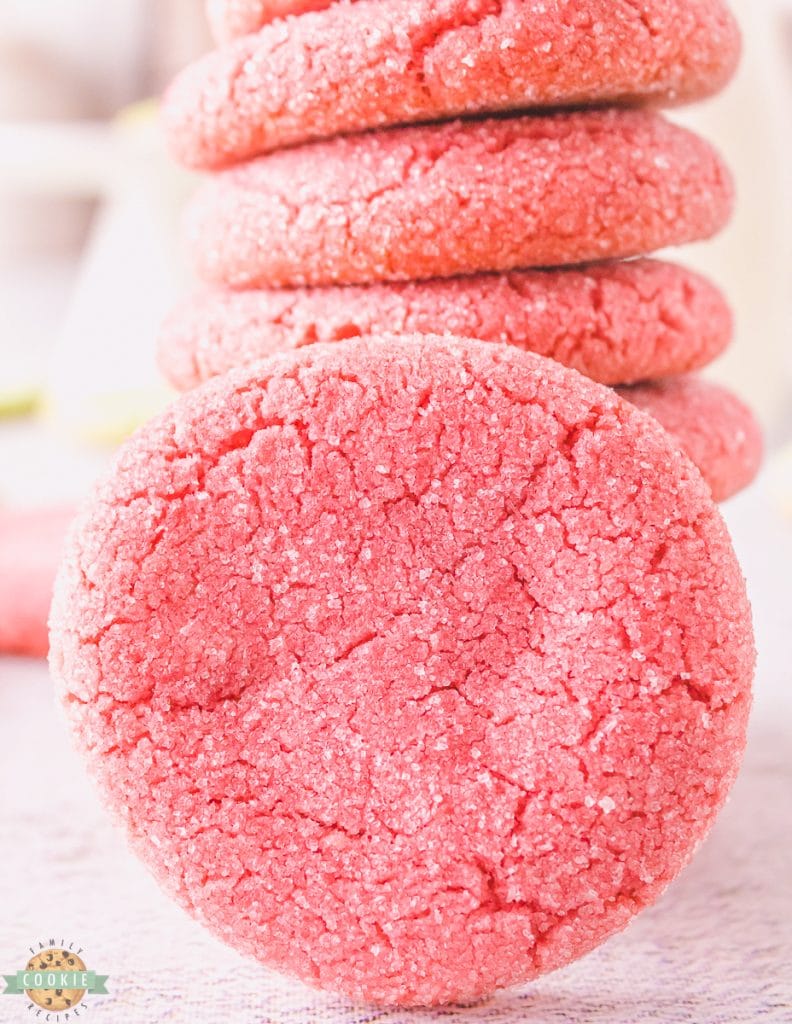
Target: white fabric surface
[[717, 949]]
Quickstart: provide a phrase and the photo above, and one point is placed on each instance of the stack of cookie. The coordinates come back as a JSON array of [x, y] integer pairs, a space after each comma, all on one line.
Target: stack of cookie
[[316, 228], [416, 664]]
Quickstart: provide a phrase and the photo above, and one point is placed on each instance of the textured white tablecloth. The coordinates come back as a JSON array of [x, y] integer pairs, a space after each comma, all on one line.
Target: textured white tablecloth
[[717, 949]]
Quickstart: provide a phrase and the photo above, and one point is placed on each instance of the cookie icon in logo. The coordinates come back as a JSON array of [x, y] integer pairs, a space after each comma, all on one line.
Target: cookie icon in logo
[[55, 960], [55, 981]]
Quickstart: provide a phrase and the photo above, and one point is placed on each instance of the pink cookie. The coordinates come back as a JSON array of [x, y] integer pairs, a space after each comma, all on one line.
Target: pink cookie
[[617, 323], [386, 62], [415, 667], [458, 198], [714, 428], [31, 543]]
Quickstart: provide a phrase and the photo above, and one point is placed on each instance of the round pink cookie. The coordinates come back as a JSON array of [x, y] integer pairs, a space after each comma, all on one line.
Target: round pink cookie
[[31, 543], [457, 198], [617, 323], [714, 428], [415, 667], [386, 62]]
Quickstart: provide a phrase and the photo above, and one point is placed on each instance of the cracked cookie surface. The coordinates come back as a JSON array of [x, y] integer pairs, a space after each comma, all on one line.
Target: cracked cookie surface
[[459, 198], [383, 62], [413, 667], [617, 323]]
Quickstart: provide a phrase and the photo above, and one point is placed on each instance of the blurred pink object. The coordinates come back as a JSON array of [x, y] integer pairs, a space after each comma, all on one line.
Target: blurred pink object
[[232, 18], [30, 549]]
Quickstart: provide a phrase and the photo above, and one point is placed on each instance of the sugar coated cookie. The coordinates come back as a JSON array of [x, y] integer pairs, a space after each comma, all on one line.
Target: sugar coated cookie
[[415, 667], [618, 323], [385, 62], [718, 431], [31, 543], [457, 198]]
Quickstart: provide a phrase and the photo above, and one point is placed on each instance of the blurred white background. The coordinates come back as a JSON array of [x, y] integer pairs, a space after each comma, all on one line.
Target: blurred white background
[[88, 206]]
